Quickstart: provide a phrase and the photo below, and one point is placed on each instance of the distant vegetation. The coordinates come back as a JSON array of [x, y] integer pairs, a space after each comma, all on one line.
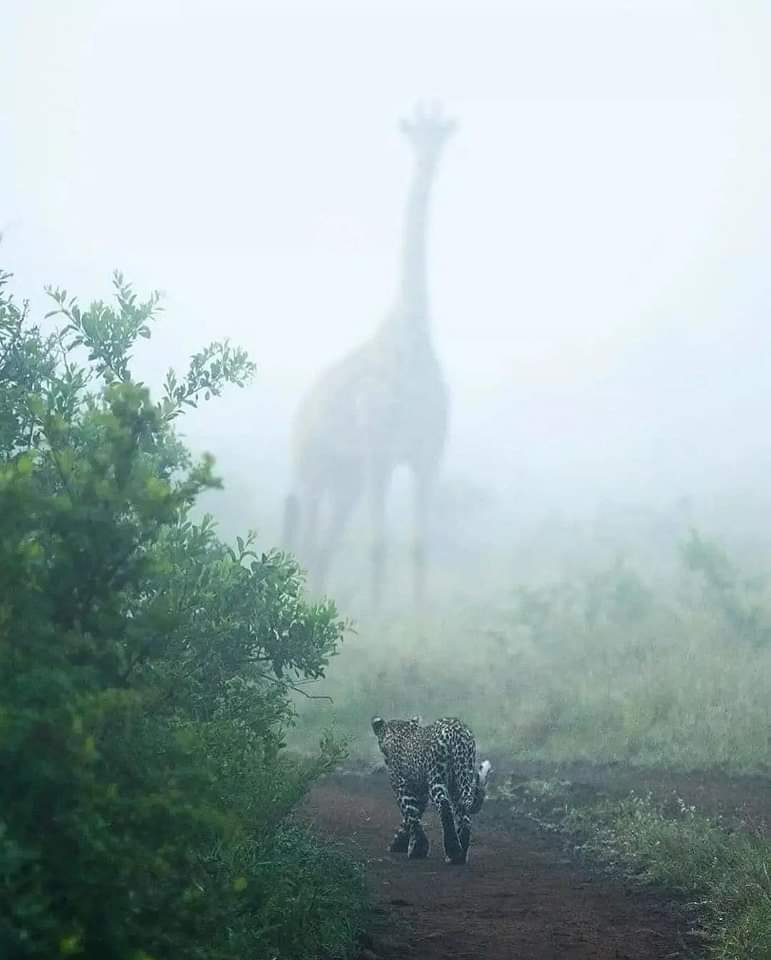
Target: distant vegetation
[[621, 662], [145, 673]]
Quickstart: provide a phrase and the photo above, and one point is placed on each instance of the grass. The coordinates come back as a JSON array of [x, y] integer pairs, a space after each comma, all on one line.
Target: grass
[[538, 679], [721, 870]]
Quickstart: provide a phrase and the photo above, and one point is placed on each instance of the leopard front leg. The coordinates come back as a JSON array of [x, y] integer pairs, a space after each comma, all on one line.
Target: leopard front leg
[[440, 797], [410, 838]]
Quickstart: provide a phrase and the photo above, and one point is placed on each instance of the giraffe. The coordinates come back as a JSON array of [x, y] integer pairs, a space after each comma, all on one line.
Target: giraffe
[[382, 406]]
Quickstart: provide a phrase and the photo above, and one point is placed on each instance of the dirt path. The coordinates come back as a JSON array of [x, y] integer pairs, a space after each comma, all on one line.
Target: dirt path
[[519, 896]]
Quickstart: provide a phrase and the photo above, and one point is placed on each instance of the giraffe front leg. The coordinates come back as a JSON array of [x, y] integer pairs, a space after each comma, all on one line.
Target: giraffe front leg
[[424, 486], [378, 490], [440, 797], [343, 502]]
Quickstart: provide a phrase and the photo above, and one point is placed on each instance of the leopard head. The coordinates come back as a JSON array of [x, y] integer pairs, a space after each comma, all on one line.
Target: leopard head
[[391, 733]]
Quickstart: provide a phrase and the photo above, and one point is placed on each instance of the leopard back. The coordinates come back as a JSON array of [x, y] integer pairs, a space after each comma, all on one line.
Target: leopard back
[[443, 751]]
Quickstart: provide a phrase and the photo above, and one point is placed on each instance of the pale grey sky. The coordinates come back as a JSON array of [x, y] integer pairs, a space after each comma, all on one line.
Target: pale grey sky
[[601, 236]]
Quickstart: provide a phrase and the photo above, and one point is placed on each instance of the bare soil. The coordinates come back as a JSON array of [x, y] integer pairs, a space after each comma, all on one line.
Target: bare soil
[[519, 896]]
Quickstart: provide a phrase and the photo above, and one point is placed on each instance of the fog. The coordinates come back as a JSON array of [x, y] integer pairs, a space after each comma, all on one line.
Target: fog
[[600, 229]]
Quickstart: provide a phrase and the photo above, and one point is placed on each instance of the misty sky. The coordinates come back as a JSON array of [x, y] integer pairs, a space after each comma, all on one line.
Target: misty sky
[[601, 236]]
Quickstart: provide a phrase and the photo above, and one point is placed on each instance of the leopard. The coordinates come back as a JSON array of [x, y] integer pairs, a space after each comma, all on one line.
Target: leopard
[[436, 762]]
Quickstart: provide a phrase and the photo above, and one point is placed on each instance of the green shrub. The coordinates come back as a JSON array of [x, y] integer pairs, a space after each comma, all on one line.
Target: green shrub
[[145, 672]]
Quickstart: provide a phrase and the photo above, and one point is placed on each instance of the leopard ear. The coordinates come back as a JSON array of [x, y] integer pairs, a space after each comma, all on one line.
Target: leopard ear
[[417, 719], [378, 724]]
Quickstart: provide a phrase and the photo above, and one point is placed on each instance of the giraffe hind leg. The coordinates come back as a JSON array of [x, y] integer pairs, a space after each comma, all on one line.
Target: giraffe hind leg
[[343, 502], [424, 479], [377, 505]]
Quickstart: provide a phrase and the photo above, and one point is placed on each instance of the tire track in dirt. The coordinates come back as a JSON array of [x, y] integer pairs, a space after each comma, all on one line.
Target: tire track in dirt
[[518, 897]]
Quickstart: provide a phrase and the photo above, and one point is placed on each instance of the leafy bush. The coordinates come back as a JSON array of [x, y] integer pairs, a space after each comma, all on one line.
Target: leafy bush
[[145, 671]]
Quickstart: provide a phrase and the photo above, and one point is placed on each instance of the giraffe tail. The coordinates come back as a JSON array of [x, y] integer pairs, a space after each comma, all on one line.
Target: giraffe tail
[[291, 521]]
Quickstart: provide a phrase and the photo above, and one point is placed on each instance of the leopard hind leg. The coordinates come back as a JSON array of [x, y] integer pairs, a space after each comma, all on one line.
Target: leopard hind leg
[[465, 805], [440, 797], [410, 838], [463, 827]]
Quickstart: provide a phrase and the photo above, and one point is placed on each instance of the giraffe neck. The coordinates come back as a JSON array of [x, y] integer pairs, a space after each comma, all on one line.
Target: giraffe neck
[[414, 278]]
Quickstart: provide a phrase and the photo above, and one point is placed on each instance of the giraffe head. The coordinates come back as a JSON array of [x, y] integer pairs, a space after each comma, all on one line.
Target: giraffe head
[[428, 130]]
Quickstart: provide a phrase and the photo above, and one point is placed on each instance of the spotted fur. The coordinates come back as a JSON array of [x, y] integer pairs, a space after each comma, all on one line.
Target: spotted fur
[[437, 763]]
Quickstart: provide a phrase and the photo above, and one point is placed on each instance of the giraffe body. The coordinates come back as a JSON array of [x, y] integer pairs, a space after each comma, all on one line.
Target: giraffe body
[[382, 407]]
